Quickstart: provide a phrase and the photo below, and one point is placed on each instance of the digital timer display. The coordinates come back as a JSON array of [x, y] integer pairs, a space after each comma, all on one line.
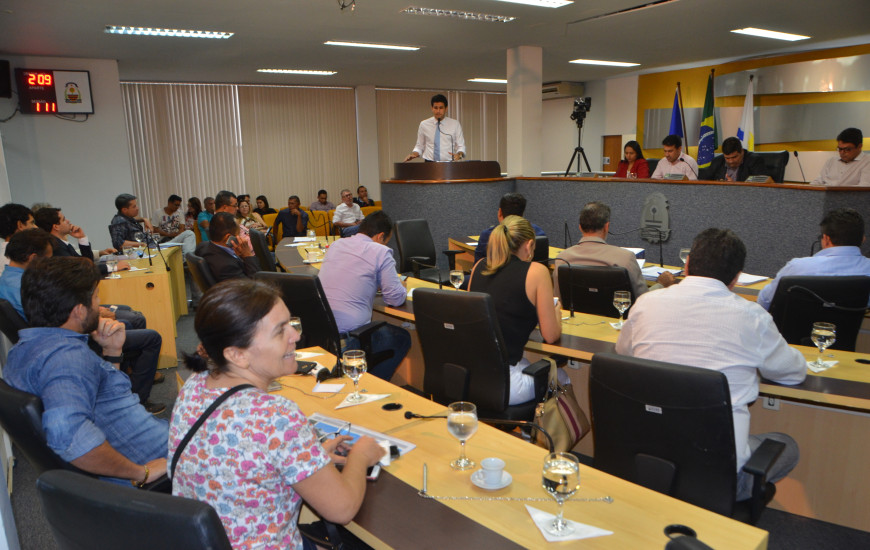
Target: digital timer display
[[42, 91]]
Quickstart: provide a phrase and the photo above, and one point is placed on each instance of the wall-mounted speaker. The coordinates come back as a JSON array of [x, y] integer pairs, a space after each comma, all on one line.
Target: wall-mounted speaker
[[5, 79]]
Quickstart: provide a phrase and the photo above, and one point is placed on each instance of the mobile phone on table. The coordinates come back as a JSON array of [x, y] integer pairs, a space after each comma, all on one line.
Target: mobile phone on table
[[304, 367], [373, 472]]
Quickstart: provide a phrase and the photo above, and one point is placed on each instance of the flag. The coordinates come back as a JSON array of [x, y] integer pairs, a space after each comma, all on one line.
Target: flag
[[708, 142], [676, 120], [746, 131]]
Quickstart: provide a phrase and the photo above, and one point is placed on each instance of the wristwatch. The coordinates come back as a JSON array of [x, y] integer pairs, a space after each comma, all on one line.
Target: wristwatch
[[114, 358]]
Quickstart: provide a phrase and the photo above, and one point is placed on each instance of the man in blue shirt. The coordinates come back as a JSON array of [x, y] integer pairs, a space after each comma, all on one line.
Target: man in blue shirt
[[91, 418], [511, 204], [293, 220], [204, 218], [842, 235], [352, 272], [24, 247]]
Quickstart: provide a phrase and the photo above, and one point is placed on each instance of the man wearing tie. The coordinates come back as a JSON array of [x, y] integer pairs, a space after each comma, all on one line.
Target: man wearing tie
[[439, 138]]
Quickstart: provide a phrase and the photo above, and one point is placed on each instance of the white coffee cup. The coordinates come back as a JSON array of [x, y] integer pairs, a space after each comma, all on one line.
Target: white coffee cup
[[492, 470]]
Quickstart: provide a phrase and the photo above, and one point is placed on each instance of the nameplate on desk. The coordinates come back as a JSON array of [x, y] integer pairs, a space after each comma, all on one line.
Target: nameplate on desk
[[675, 177], [759, 179]]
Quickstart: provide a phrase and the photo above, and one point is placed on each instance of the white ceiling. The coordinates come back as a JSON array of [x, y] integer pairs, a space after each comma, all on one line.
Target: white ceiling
[[290, 34]]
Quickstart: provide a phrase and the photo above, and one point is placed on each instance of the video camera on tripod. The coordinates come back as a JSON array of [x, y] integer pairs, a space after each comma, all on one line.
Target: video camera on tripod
[[581, 107], [578, 115]]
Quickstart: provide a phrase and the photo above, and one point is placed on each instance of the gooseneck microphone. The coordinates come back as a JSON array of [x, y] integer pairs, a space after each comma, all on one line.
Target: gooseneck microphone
[[570, 284], [803, 177], [690, 166], [452, 142], [409, 415]]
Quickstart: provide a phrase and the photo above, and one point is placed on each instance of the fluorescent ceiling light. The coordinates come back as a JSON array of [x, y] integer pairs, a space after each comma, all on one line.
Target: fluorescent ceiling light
[[177, 33], [370, 45], [296, 71], [752, 31], [489, 80], [468, 15], [608, 63], [542, 3]]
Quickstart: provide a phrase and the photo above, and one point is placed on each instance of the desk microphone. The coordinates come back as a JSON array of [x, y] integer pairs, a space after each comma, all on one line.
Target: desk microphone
[[416, 264], [803, 177], [690, 167], [452, 142], [570, 284], [409, 415], [567, 235]]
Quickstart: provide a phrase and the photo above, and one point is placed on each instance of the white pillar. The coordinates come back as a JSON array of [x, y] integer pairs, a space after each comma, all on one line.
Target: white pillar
[[524, 129], [367, 139]]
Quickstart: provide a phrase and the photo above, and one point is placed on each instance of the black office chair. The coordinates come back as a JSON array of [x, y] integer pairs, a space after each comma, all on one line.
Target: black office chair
[[801, 301], [775, 163], [652, 163], [590, 288], [669, 428], [305, 298], [21, 417], [542, 250], [465, 354], [262, 252], [10, 321], [200, 272], [417, 252], [88, 513]]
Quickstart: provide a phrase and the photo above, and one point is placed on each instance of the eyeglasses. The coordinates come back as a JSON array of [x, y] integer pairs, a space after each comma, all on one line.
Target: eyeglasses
[[848, 149]]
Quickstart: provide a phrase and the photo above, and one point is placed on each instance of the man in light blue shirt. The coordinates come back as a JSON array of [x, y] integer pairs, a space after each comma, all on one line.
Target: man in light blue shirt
[[842, 235], [24, 247], [353, 270]]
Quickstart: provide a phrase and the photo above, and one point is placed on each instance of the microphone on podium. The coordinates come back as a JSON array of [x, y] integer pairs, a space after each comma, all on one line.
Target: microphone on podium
[[690, 166], [803, 177]]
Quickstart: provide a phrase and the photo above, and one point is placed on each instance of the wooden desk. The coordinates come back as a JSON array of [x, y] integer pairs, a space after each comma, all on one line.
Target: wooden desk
[[292, 258], [158, 294], [397, 517]]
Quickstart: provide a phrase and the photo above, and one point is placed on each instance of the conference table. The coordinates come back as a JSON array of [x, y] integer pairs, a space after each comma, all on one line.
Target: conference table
[[158, 291], [395, 515]]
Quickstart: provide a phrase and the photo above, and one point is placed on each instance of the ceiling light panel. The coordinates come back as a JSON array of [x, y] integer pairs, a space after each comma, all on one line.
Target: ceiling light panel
[[297, 71], [371, 45], [175, 33], [764, 33], [489, 80], [541, 3], [606, 63], [456, 14]]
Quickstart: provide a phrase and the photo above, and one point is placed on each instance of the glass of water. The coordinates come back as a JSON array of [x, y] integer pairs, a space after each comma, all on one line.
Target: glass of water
[[353, 363], [561, 478], [311, 234], [684, 254], [824, 335], [296, 323], [457, 276], [128, 251], [462, 424], [112, 263], [621, 301]]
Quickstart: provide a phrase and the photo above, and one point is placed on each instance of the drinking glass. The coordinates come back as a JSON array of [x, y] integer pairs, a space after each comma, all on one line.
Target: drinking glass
[[456, 278], [353, 363], [311, 234], [561, 479], [621, 301], [462, 424], [684, 254], [824, 335], [296, 323], [112, 263]]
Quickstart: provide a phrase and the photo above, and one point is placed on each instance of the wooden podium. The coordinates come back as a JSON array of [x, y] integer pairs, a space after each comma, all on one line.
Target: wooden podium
[[440, 171]]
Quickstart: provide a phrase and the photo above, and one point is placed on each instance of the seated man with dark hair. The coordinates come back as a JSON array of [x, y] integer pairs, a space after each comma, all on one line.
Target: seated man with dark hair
[[321, 203], [126, 223], [701, 323], [734, 164], [91, 419], [13, 217], [227, 256], [24, 247], [52, 220], [511, 204], [675, 162], [842, 234], [352, 272], [293, 220], [169, 222], [852, 167]]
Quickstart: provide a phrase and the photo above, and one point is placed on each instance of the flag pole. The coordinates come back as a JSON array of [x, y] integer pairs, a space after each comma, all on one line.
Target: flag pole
[[683, 115]]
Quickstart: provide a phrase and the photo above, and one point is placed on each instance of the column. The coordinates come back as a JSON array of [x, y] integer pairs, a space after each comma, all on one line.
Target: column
[[524, 128], [367, 139]]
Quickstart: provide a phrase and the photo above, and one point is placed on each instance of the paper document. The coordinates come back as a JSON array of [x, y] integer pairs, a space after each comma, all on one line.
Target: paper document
[[749, 279], [652, 273], [325, 424]]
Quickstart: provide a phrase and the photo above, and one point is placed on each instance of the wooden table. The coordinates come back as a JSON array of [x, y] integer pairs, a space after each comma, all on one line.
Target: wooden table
[[158, 294], [393, 515]]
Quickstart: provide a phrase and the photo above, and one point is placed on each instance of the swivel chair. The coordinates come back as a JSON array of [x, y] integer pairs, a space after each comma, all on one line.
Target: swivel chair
[[801, 301], [200, 272], [542, 250], [774, 164], [465, 355], [88, 513], [417, 250], [261, 250], [589, 289], [652, 163], [670, 428], [10, 321]]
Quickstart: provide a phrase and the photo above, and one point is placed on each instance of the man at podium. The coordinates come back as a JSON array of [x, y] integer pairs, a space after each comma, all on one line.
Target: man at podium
[[439, 138]]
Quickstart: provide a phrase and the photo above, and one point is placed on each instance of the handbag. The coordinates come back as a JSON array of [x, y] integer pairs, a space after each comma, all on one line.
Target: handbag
[[560, 415]]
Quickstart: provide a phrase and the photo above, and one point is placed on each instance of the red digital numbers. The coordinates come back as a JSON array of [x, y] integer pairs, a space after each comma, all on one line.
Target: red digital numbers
[[45, 107], [39, 79]]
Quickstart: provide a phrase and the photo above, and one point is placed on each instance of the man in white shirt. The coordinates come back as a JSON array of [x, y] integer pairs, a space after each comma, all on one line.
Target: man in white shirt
[[169, 222], [675, 161], [439, 138], [853, 166], [701, 323], [348, 215]]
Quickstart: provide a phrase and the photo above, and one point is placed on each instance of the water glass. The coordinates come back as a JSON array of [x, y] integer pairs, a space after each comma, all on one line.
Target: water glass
[[112, 264], [824, 335], [561, 478], [353, 363], [457, 276], [684, 254], [462, 424], [621, 301]]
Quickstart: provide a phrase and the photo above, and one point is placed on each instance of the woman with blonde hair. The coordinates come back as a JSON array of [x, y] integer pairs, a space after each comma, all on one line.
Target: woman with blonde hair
[[522, 292]]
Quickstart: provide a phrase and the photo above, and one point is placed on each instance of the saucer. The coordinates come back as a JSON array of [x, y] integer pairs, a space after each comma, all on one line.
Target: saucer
[[477, 479]]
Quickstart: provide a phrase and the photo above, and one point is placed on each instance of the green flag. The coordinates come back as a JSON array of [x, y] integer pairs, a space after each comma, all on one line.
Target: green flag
[[708, 141]]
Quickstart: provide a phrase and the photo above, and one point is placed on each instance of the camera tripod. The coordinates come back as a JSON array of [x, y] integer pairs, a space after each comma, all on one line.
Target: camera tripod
[[578, 151]]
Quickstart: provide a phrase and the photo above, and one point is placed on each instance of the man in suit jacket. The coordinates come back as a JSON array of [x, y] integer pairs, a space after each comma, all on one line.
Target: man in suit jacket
[[734, 164], [52, 220], [226, 255]]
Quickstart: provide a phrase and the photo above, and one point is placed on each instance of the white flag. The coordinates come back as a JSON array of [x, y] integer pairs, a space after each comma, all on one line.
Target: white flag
[[746, 131]]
